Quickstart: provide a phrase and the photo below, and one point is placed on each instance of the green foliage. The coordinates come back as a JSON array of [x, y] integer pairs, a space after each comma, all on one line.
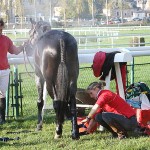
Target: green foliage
[[118, 4]]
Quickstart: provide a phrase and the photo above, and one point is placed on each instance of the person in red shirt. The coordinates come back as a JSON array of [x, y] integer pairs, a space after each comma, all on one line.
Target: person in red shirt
[[6, 45], [111, 111]]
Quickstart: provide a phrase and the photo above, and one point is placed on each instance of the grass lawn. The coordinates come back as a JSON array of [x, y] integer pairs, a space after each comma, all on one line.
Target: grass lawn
[[32, 140], [24, 126]]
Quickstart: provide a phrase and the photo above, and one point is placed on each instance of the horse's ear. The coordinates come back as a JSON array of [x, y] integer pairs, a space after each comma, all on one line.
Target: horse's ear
[[41, 19], [32, 21]]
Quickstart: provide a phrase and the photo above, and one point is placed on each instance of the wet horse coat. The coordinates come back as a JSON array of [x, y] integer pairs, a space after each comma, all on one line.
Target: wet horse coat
[[56, 63]]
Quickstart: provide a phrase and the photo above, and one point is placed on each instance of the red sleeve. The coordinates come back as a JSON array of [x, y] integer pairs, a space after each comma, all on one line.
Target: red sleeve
[[12, 48]]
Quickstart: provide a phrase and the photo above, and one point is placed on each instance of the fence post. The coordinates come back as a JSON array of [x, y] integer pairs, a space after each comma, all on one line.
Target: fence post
[[132, 71], [16, 89], [20, 95]]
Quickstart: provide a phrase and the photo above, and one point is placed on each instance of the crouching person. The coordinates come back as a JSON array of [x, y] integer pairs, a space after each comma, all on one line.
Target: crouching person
[[116, 115]]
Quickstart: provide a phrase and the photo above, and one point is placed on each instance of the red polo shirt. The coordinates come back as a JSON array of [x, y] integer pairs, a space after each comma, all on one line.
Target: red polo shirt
[[111, 102], [6, 45]]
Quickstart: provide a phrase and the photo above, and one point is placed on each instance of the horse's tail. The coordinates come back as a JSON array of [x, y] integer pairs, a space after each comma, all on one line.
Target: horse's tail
[[62, 75], [62, 84]]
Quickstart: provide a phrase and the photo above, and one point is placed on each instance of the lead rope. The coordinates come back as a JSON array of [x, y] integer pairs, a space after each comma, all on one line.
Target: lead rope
[[25, 63]]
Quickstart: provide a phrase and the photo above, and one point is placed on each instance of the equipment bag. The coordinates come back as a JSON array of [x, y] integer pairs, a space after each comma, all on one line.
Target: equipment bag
[[136, 89], [83, 126], [143, 117], [138, 95]]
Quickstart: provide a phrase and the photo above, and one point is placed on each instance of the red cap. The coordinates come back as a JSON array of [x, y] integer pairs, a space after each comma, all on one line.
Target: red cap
[[98, 62]]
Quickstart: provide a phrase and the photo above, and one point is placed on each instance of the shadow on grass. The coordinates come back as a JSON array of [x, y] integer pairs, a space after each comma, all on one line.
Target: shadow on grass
[[48, 118], [4, 144], [17, 144], [26, 122]]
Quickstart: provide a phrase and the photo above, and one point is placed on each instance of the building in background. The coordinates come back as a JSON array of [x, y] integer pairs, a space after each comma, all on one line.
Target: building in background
[[16, 11]]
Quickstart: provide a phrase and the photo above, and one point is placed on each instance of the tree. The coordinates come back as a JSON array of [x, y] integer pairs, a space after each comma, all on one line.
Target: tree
[[99, 5], [67, 9], [6, 9], [3, 9], [64, 9], [92, 9], [79, 9], [52, 4], [19, 10]]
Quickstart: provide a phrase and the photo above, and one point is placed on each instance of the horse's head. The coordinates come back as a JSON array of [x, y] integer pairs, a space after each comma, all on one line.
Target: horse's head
[[36, 31]]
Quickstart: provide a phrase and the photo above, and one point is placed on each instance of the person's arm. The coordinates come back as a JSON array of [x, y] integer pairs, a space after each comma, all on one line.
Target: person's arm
[[15, 49], [92, 112], [91, 125], [18, 49]]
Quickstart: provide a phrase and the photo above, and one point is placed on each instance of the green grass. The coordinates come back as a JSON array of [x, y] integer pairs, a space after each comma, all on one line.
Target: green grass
[[33, 140]]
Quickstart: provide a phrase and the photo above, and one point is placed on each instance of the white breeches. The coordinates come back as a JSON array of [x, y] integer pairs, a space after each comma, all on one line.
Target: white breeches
[[4, 79]]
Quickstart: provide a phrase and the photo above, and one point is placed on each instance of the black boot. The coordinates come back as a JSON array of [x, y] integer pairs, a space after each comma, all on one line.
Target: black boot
[[2, 110]]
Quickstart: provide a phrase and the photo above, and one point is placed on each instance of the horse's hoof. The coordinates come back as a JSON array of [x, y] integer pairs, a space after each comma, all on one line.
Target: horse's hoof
[[75, 137], [38, 128], [57, 136]]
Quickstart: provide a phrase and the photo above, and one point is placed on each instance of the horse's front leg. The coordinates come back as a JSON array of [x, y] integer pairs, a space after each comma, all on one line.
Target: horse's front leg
[[40, 102]]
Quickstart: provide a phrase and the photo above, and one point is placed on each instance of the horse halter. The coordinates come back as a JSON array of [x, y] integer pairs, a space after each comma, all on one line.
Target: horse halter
[[31, 46]]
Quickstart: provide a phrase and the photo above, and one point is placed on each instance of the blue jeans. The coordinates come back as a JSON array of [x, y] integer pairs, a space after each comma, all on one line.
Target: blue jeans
[[106, 118]]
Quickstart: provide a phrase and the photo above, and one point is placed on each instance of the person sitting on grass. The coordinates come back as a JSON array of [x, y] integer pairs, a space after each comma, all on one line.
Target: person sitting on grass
[[111, 111]]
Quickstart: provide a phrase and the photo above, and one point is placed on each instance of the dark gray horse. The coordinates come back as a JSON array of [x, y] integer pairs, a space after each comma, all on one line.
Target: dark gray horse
[[56, 62]]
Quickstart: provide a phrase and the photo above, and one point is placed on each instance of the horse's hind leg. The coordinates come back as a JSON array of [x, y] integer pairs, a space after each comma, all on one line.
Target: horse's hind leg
[[75, 129], [40, 102], [59, 110], [58, 132]]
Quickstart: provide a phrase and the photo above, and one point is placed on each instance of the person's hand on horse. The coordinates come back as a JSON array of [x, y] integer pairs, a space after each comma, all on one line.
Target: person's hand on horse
[[23, 45]]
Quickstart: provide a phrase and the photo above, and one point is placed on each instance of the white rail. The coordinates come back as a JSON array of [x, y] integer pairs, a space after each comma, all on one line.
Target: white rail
[[86, 56], [87, 29], [86, 41]]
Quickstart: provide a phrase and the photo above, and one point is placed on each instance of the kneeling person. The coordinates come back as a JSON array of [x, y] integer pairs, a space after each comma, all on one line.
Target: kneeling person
[[112, 112]]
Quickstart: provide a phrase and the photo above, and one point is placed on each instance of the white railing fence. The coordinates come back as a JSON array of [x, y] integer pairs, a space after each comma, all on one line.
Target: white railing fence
[[96, 36]]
